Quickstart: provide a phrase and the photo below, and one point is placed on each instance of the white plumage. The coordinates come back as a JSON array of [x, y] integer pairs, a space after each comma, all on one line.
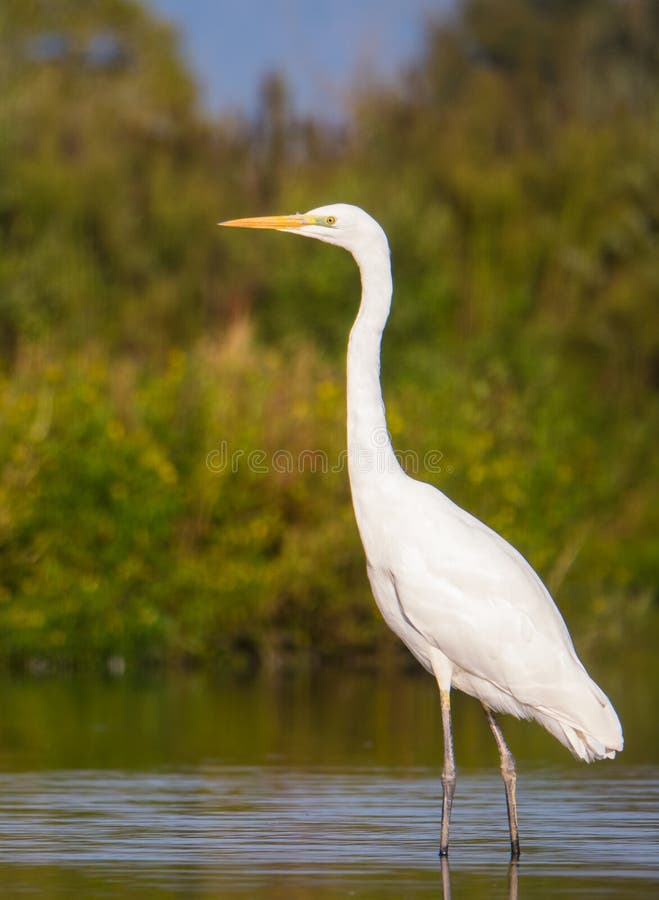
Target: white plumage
[[449, 585], [466, 603]]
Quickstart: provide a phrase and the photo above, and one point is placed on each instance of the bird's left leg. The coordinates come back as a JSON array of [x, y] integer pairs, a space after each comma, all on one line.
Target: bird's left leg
[[509, 779]]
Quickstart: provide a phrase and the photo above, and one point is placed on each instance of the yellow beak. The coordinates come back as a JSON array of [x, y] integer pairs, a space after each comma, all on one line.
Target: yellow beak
[[296, 221]]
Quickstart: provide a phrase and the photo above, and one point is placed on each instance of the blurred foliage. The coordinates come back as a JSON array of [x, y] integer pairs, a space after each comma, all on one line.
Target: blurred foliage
[[515, 167]]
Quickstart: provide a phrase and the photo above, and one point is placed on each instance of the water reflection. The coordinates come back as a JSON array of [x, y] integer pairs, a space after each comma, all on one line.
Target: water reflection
[[513, 876], [189, 788], [238, 829], [513, 879]]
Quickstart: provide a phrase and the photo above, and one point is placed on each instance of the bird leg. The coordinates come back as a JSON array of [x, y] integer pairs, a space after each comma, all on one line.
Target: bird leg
[[448, 772], [509, 779]]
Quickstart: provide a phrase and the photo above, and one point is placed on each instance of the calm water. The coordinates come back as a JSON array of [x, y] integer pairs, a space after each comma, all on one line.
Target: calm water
[[308, 788]]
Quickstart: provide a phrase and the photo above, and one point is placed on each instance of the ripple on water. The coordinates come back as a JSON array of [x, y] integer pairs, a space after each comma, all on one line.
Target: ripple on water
[[242, 824]]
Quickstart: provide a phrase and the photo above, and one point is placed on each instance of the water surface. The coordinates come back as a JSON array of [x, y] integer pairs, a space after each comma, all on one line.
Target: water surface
[[322, 787]]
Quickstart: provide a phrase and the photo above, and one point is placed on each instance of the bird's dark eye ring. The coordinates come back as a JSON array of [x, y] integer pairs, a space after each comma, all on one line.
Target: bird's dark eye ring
[[330, 220]]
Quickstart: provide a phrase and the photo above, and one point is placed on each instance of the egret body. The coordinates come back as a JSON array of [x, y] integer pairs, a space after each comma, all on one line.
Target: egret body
[[467, 604]]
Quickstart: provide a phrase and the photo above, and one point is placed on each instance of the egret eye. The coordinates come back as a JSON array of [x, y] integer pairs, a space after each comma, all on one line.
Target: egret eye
[[330, 220]]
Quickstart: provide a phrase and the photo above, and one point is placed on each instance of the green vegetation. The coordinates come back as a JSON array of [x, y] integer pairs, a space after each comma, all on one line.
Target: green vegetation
[[145, 355]]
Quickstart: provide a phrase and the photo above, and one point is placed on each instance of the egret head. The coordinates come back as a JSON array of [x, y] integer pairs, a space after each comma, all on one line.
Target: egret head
[[340, 223]]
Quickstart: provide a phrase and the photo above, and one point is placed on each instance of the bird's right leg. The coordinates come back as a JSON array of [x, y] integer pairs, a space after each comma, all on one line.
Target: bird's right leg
[[443, 672], [448, 772]]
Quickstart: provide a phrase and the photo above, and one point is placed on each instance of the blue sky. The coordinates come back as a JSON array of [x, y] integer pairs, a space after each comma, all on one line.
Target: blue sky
[[320, 46]]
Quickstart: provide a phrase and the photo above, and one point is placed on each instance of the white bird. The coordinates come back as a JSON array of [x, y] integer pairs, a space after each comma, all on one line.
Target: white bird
[[467, 604]]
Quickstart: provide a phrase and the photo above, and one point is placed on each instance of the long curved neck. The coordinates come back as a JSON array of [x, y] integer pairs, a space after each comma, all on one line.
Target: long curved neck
[[369, 447]]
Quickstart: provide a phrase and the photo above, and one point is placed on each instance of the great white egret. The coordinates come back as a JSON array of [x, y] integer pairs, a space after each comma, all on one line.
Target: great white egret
[[467, 604]]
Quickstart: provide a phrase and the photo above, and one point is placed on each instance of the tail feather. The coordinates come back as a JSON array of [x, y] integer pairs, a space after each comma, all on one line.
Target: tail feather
[[594, 733]]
